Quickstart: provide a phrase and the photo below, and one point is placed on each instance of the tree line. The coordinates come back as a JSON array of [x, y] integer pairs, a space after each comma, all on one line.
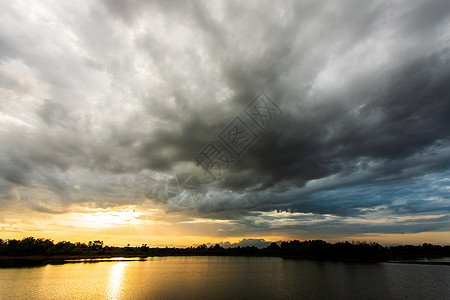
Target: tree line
[[314, 249]]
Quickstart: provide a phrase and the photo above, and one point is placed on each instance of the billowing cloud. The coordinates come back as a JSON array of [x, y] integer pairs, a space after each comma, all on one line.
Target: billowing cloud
[[102, 103]]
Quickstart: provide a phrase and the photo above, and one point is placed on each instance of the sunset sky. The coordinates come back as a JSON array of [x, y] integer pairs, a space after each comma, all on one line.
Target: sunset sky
[[105, 105]]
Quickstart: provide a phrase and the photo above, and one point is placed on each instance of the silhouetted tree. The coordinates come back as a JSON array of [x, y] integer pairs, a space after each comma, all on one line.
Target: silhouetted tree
[[217, 247], [316, 249], [273, 246]]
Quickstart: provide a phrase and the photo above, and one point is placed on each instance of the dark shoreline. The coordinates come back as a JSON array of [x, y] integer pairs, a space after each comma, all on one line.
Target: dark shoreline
[[37, 251]]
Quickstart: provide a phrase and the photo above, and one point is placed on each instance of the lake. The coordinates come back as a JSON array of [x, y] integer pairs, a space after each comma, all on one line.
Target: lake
[[222, 277]]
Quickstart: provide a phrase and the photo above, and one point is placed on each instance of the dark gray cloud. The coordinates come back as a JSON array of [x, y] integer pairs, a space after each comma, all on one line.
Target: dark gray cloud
[[102, 102]]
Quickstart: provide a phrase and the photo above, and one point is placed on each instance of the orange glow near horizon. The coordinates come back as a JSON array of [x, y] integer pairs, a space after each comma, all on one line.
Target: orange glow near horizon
[[186, 241], [136, 226]]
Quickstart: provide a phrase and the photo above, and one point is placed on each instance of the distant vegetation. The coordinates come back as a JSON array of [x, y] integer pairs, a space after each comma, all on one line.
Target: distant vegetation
[[312, 249]]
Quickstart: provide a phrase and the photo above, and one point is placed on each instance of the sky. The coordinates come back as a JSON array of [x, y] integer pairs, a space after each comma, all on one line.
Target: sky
[[186, 122]]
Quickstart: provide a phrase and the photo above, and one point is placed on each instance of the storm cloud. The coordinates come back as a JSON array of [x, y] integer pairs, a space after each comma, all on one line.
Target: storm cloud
[[102, 103]]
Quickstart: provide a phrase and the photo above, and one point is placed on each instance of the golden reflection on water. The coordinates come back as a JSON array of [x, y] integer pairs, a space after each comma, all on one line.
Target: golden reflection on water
[[224, 278], [116, 277]]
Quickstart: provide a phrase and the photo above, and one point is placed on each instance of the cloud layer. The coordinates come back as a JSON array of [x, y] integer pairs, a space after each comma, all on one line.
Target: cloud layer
[[102, 103]]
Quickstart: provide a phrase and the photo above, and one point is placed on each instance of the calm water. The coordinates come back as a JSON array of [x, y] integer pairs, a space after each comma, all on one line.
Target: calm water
[[225, 278]]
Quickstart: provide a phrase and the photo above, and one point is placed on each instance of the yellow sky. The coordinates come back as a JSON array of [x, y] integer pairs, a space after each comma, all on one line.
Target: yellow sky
[[135, 226]]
